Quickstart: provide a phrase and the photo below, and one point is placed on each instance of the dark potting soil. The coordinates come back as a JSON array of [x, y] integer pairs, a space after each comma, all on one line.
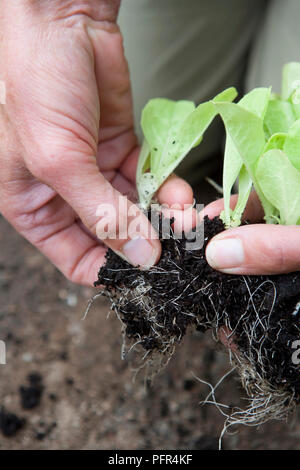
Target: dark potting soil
[[31, 394], [10, 423], [157, 306]]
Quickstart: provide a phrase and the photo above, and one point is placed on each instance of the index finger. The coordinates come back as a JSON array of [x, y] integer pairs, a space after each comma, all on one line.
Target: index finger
[[253, 211]]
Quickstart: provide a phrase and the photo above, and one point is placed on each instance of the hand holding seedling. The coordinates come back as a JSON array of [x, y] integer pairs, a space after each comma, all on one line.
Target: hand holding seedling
[[263, 150], [257, 316], [256, 248], [60, 156]]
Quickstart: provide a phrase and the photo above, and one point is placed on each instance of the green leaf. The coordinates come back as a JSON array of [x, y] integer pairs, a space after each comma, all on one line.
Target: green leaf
[[280, 182], [171, 130], [161, 119], [227, 95], [256, 102], [190, 133], [231, 168], [276, 141], [290, 79], [291, 86], [144, 159], [279, 117], [247, 134], [245, 186], [262, 146], [233, 217], [142, 167], [292, 144], [147, 185]]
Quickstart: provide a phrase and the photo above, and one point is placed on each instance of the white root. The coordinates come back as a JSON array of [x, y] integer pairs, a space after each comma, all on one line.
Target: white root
[[265, 401]]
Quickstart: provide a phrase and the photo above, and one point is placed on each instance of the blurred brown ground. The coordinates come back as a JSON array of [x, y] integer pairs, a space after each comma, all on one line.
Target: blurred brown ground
[[98, 405]]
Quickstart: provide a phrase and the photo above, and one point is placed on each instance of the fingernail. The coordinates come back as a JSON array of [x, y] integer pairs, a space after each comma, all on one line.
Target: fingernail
[[225, 254], [139, 252]]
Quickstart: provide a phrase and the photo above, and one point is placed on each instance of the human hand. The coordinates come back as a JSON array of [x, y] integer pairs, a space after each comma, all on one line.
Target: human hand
[[60, 157], [256, 248]]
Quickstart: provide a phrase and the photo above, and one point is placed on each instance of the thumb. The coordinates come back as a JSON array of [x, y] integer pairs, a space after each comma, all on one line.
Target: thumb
[[104, 211], [256, 249]]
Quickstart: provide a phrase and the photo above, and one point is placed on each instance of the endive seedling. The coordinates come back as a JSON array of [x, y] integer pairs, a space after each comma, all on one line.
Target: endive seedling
[[263, 150], [262, 146], [171, 129]]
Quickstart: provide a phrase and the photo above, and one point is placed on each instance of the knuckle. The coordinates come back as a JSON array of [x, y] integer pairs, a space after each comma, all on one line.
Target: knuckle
[[74, 12], [77, 270], [47, 166]]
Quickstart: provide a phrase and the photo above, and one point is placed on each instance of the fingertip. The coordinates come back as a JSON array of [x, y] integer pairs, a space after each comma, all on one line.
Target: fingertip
[[177, 191], [255, 249], [214, 209], [141, 252]]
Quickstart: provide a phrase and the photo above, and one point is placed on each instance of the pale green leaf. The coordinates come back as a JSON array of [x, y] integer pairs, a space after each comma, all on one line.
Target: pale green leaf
[[247, 134], [147, 185], [256, 101], [171, 130], [144, 160], [190, 133], [290, 79], [142, 167], [245, 186], [292, 144], [291, 86], [161, 119], [231, 168], [279, 117], [276, 141], [280, 182]]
